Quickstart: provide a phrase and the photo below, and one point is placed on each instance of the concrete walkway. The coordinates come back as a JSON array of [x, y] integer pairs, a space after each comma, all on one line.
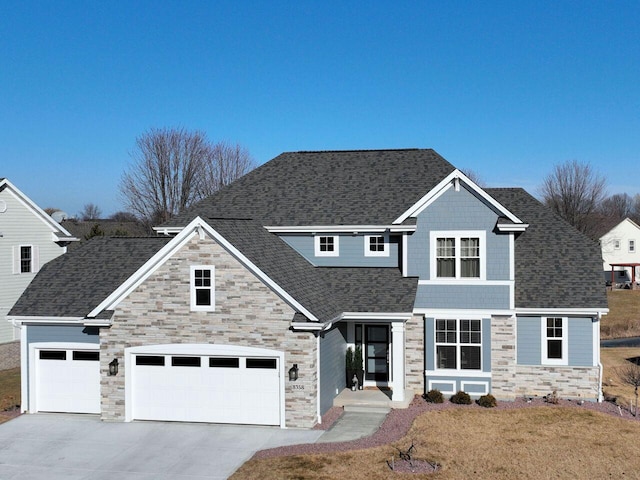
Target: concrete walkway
[[354, 425]]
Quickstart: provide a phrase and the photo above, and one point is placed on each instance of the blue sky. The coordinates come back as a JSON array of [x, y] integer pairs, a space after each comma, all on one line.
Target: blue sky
[[507, 89]]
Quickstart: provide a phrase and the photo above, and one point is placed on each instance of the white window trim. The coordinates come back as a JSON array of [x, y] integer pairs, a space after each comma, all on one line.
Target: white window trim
[[616, 244], [192, 288], [458, 370], [632, 246], [336, 246], [17, 259], [457, 234], [383, 253], [565, 342]]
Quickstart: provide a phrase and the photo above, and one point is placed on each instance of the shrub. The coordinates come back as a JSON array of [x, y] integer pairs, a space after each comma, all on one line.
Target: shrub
[[487, 401], [461, 398], [434, 396]]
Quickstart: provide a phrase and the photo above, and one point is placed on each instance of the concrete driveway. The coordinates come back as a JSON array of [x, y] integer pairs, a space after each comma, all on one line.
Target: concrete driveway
[[70, 447]]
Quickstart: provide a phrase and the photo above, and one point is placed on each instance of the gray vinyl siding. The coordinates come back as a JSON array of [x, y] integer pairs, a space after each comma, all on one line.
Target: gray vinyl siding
[[460, 210], [580, 342], [486, 344], [529, 343], [19, 225], [463, 296], [579, 336], [351, 251], [333, 346]]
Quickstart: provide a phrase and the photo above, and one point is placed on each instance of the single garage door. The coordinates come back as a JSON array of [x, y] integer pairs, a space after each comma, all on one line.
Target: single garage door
[[67, 380], [206, 388]]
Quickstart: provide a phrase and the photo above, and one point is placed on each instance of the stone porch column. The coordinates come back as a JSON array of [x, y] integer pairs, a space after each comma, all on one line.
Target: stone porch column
[[397, 341]]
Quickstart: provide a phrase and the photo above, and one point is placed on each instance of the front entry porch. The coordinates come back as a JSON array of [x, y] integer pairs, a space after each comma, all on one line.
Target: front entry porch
[[370, 398], [382, 345]]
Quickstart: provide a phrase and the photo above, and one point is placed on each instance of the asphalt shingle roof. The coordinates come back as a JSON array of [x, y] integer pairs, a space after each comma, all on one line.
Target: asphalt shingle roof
[[327, 188], [556, 266], [75, 283]]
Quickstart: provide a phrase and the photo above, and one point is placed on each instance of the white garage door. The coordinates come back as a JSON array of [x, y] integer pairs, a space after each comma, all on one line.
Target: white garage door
[[206, 388], [67, 380]]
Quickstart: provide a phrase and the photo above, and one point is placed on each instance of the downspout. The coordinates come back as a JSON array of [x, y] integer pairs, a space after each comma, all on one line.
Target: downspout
[[600, 368], [319, 416]]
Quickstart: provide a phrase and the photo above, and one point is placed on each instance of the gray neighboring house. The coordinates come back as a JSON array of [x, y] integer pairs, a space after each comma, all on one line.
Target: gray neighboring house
[[243, 307], [29, 238]]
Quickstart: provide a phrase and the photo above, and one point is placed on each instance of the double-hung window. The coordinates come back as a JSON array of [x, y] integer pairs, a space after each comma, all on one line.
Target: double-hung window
[[327, 245], [458, 255], [25, 259], [203, 288], [632, 246], [376, 246], [554, 341], [458, 344]]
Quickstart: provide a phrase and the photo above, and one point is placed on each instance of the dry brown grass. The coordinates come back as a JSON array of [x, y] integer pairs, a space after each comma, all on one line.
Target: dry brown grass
[[623, 319], [540, 442], [613, 386], [9, 390]]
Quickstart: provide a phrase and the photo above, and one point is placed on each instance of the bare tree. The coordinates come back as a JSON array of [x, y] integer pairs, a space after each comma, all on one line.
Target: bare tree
[[124, 217], [171, 168], [630, 374], [90, 212], [474, 177], [575, 191], [227, 163], [618, 206], [635, 214]]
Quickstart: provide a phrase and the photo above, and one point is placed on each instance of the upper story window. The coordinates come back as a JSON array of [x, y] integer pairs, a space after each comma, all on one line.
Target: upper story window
[[458, 255], [203, 288], [632, 246], [616, 244], [458, 344], [554, 341], [25, 259], [327, 245], [376, 246]]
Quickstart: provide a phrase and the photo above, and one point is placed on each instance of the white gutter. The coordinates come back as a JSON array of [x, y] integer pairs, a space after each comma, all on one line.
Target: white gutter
[[340, 228]]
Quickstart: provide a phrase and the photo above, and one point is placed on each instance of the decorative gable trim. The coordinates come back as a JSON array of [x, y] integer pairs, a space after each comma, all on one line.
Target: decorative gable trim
[[59, 232], [453, 181], [201, 228]]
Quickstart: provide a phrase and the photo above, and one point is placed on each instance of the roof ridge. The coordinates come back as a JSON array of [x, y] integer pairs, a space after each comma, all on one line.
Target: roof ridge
[[365, 150]]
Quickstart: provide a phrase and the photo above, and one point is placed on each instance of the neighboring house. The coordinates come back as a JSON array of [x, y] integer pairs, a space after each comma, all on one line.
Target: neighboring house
[[621, 245], [242, 310], [29, 238]]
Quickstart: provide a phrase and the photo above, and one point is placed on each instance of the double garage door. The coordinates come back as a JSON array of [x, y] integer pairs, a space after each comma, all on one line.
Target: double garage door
[[187, 383], [206, 388]]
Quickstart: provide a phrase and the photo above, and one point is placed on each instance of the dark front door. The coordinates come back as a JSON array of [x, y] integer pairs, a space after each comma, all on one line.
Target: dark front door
[[377, 353]]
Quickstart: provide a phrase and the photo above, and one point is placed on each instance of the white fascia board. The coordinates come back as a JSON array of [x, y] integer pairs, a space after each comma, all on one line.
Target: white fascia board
[[168, 230], [310, 229], [17, 320], [38, 212], [94, 322], [310, 327], [462, 312], [521, 227], [196, 227], [443, 186], [589, 312]]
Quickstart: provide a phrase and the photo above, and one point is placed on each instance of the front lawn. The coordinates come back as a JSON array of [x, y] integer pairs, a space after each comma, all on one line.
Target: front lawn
[[538, 442], [9, 391]]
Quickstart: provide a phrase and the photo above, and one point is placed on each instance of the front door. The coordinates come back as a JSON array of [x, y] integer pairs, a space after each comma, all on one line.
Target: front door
[[377, 353]]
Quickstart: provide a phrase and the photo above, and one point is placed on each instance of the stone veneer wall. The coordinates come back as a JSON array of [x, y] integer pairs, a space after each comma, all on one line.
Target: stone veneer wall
[[503, 357], [569, 382], [414, 355], [247, 313], [10, 355]]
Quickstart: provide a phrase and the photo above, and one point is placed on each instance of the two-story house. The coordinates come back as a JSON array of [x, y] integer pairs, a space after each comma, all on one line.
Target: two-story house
[[620, 248], [241, 310], [29, 238]]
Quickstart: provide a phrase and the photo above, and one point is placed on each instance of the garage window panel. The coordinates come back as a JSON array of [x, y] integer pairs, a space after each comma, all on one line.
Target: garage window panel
[[224, 362], [53, 355], [185, 361], [264, 363], [153, 360], [86, 356]]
